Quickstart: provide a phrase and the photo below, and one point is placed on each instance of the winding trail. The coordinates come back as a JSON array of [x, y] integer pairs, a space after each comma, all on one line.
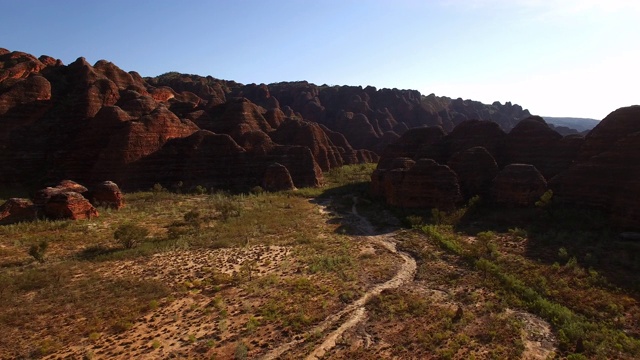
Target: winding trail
[[355, 312]]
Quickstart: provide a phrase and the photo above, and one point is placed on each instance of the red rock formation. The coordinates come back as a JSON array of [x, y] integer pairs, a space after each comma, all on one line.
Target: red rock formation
[[277, 178], [518, 185], [17, 210], [532, 141], [476, 168], [304, 133], [615, 126], [378, 183], [425, 141], [121, 78], [237, 117], [472, 133], [64, 201], [69, 205], [18, 65], [609, 180], [426, 184], [106, 194]]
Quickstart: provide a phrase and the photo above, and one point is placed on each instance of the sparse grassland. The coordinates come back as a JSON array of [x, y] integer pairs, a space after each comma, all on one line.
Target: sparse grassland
[[262, 266], [219, 275]]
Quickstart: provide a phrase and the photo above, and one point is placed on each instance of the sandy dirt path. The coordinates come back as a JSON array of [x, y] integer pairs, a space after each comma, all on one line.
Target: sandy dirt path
[[355, 312]]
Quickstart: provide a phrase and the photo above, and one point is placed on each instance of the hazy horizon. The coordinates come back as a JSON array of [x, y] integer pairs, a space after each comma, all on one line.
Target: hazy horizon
[[560, 58]]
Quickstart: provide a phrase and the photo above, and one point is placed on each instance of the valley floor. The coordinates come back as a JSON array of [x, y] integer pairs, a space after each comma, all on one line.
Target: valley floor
[[280, 276]]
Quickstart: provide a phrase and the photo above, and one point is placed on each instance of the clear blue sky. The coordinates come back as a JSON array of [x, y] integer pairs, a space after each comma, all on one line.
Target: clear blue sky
[[555, 57]]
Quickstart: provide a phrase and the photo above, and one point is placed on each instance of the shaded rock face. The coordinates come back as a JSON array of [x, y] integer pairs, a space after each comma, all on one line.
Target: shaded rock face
[[277, 178], [518, 185], [17, 210], [532, 141], [475, 168], [607, 175], [420, 184], [424, 141], [614, 127], [474, 133]]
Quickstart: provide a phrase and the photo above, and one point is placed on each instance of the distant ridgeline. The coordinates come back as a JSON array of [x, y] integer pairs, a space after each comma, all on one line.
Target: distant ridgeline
[[92, 123]]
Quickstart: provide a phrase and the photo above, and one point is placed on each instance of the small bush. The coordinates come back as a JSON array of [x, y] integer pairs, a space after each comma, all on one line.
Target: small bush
[[199, 190], [158, 188], [130, 235], [37, 250], [241, 351]]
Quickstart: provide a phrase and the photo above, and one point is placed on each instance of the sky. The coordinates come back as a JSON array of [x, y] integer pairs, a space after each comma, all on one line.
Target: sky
[[571, 58]]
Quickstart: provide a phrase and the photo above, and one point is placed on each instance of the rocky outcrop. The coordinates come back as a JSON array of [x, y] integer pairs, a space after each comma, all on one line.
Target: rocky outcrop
[[277, 178], [476, 168], [64, 201], [473, 133], [607, 174], [518, 185], [106, 194], [425, 142], [304, 133], [17, 210], [532, 141], [614, 127], [420, 184], [69, 205]]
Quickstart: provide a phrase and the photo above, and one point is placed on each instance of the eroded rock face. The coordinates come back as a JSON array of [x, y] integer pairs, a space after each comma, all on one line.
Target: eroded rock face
[[17, 210], [304, 133], [277, 178], [518, 185]]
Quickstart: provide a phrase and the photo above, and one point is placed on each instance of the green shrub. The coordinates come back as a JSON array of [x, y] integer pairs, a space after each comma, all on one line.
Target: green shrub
[[130, 235], [37, 250], [199, 190], [241, 352]]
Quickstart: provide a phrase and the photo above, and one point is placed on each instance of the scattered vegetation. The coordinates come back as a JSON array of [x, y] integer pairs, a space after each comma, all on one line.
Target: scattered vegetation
[[479, 269]]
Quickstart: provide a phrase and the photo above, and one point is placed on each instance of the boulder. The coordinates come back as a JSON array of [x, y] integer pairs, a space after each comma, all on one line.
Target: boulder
[[518, 185], [64, 201], [69, 205], [106, 194]]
